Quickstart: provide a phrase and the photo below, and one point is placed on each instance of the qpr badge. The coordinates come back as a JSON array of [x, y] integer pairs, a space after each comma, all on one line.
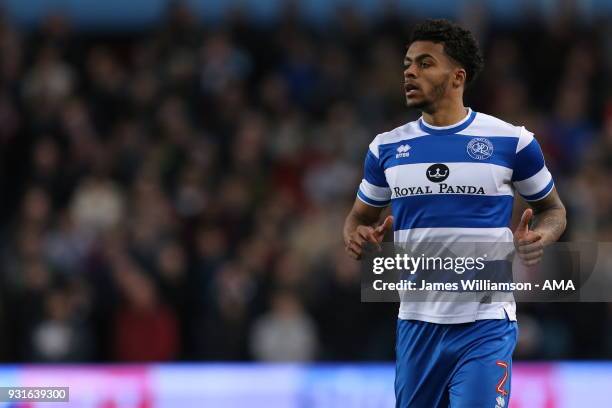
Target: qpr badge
[[480, 148]]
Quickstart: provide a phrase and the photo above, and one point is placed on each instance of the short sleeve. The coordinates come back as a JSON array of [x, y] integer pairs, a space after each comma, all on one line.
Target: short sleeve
[[530, 177], [374, 189]]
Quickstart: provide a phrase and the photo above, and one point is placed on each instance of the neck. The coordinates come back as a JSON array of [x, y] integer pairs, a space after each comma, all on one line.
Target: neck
[[446, 115]]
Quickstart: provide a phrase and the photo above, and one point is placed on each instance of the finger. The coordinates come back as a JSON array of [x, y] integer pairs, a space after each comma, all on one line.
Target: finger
[[359, 241], [532, 262], [354, 248], [531, 247], [365, 235], [529, 238], [351, 252], [532, 255], [523, 227], [358, 238], [372, 238], [523, 252], [364, 232], [386, 225]]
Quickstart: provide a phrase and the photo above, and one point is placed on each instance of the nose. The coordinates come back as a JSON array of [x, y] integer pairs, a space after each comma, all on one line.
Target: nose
[[410, 72]]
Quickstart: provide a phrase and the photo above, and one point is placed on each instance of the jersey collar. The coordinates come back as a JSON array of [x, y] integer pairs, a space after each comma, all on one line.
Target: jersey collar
[[455, 128]]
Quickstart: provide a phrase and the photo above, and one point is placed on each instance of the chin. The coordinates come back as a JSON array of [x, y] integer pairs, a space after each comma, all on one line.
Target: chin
[[417, 104]]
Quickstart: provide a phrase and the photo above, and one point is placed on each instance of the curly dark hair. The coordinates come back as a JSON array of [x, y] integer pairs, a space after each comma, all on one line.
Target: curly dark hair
[[459, 44]]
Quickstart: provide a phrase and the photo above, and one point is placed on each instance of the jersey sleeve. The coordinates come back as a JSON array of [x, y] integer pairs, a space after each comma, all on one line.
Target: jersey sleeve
[[374, 189], [530, 177]]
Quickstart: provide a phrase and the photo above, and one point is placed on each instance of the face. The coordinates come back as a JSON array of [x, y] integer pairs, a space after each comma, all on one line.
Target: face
[[429, 75]]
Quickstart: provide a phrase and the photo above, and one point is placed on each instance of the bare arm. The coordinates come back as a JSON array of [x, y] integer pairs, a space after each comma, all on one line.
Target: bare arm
[[550, 217], [549, 221]]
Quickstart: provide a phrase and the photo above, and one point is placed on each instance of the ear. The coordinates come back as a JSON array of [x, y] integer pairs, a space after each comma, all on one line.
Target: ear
[[459, 78]]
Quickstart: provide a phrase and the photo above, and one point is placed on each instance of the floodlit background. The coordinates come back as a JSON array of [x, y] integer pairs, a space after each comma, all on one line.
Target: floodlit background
[[174, 178]]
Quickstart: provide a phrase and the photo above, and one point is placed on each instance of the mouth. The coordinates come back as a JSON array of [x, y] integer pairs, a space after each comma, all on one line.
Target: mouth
[[411, 89]]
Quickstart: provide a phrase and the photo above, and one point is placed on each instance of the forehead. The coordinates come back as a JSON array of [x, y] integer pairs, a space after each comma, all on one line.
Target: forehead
[[417, 48]]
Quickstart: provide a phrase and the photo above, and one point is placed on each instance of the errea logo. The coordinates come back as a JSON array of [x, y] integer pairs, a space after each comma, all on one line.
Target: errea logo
[[402, 151]]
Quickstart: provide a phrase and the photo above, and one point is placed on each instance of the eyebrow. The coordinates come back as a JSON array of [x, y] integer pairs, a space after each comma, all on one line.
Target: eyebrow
[[419, 57]]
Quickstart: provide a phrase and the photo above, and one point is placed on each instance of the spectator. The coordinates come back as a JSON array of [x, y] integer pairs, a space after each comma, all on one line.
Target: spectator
[[285, 333], [191, 180], [145, 329]]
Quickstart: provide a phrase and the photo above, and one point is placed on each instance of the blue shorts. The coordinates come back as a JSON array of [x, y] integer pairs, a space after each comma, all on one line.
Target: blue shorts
[[465, 365]]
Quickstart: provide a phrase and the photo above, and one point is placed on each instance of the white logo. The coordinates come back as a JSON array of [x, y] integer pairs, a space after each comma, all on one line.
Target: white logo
[[480, 148], [402, 151], [500, 401]]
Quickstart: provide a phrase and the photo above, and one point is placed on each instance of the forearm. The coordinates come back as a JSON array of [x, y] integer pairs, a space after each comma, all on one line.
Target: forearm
[[550, 224]]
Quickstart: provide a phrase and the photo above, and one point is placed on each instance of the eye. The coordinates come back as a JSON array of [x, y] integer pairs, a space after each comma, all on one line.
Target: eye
[[425, 64]]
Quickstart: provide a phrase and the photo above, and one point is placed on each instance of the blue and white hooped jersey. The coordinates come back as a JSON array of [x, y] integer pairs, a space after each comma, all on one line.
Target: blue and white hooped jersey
[[454, 184]]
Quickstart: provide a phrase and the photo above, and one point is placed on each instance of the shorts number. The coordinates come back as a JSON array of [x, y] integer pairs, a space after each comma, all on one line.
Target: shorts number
[[501, 385]]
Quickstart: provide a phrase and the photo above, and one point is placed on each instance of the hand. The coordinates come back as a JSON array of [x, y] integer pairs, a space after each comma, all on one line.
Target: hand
[[366, 233], [528, 244]]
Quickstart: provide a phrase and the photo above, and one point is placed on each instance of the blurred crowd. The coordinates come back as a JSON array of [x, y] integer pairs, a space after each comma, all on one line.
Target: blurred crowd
[[178, 193]]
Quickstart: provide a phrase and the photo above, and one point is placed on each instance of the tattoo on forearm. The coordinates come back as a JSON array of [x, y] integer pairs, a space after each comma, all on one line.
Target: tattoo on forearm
[[551, 223]]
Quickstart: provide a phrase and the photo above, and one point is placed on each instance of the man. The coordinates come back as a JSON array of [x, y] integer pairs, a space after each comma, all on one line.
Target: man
[[453, 354]]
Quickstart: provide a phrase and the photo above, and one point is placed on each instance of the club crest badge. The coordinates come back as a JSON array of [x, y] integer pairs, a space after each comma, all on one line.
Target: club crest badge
[[480, 148]]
